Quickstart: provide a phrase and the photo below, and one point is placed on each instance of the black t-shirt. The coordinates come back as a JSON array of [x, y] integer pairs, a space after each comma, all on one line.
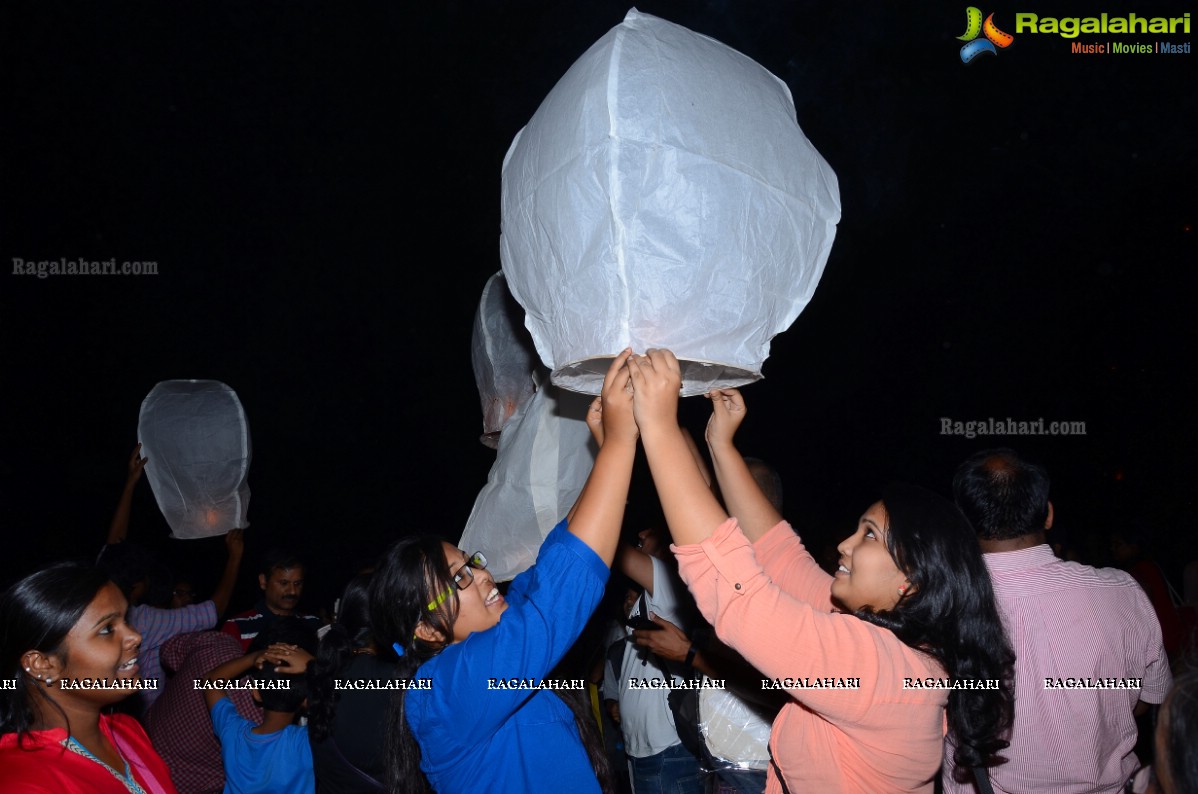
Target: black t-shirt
[[359, 728]]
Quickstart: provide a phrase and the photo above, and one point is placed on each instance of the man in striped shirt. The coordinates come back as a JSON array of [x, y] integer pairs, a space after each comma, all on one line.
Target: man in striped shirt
[[1077, 631], [282, 582]]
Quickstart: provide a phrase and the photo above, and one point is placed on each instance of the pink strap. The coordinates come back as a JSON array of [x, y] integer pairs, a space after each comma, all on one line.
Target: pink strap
[[151, 783]]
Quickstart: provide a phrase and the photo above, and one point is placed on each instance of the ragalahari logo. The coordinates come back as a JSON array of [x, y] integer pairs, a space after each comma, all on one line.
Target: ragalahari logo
[[974, 26]]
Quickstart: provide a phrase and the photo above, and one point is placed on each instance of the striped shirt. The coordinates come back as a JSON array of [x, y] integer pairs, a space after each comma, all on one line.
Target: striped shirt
[[245, 626], [156, 626], [1080, 635]]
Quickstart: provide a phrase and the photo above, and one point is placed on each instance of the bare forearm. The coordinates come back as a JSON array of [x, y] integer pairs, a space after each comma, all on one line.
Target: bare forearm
[[118, 530], [636, 565], [224, 589], [234, 668], [697, 456], [599, 513], [691, 510], [742, 495]]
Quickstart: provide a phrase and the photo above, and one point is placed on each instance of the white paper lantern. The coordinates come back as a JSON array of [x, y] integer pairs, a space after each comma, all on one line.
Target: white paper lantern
[[545, 456], [196, 439], [663, 195], [735, 731], [503, 357]]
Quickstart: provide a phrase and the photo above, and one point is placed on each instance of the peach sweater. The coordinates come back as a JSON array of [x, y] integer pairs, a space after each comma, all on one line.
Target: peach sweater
[[778, 614]]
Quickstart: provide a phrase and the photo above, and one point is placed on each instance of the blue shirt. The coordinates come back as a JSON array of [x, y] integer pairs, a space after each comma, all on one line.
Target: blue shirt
[[474, 737], [273, 763]]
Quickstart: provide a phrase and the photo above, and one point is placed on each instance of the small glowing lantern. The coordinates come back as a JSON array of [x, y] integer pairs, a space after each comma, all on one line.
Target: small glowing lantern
[[196, 439], [503, 358]]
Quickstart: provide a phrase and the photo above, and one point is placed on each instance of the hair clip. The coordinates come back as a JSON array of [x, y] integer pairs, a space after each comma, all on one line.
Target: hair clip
[[398, 648]]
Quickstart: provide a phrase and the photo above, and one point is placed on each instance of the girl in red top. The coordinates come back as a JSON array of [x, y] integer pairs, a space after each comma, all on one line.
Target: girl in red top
[[68, 654]]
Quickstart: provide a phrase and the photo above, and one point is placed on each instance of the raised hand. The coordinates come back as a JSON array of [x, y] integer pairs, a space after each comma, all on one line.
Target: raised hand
[[235, 542], [727, 412], [290, 659], [656, 382], [595, 420], [668, 642], [136, 464], [615, 420]]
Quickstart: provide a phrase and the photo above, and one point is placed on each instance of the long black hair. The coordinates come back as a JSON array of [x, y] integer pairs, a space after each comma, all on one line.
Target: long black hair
[[349, 632], [1175, 755], [411, 569], [36, 614], [399, 590], [950, 613]]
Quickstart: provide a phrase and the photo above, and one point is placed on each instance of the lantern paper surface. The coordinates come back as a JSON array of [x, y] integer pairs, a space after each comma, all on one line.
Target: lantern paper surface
[[734, 730], [663, 195], [196, 439], [503, 357], [545, 456]]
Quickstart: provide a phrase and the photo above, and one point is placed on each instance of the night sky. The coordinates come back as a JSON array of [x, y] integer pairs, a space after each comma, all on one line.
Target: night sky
[[319, 186]]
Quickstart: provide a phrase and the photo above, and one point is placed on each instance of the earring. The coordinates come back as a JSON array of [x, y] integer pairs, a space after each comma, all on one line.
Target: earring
[[49, 680], [903, 590]]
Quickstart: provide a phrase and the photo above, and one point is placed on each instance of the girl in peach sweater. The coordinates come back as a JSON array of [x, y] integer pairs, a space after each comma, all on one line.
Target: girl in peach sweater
[[915, 652]]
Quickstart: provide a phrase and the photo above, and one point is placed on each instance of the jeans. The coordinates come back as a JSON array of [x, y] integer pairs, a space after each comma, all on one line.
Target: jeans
[[672, 771], [741, 781]]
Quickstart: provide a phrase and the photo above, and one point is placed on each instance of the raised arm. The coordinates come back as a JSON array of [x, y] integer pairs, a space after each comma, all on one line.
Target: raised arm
[[742, 496], [599, 512], [290, 658], [235, 544], [691, 509], [118, 530], [696, 455], [636, 565]]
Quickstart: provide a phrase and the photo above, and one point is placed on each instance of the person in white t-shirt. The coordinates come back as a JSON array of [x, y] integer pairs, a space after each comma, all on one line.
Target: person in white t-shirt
[[636, 679]]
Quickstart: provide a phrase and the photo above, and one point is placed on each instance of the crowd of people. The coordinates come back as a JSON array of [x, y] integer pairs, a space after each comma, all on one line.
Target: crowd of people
[[950, 649]]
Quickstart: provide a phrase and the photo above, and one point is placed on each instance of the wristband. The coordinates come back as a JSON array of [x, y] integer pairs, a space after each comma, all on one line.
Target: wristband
[[690, 656]]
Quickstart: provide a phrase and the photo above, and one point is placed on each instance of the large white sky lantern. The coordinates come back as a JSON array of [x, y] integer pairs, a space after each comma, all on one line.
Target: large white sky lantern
[[503, 357], [545, 456], [196, 438], [663, 195]]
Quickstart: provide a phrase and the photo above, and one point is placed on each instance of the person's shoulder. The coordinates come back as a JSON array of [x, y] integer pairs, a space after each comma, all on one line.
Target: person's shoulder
[[225, 709], [563, 547], [297, 735], [1077, 588], [1082, 575], [237, 625], [201, 609], [250, 613], [1054, 573], [142, 614], [176, 650], [125, 725], [27, 772]]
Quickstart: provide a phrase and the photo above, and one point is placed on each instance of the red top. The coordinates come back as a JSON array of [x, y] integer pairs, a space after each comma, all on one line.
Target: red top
[[43, 764]]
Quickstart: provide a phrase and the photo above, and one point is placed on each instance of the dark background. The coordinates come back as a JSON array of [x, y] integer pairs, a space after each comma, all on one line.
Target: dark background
[[319, 184]]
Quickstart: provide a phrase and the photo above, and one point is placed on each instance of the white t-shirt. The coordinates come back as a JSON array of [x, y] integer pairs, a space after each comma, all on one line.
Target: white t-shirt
[[645, 717]]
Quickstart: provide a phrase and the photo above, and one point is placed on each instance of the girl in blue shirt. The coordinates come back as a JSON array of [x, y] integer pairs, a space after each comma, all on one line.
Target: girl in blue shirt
[[474, 717]]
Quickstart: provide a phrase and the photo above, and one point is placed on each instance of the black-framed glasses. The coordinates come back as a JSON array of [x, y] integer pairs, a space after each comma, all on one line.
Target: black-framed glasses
[[462, 578]]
